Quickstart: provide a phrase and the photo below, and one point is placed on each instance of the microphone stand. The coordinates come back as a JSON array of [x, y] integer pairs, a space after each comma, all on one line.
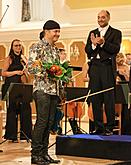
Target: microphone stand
[[4, 14]]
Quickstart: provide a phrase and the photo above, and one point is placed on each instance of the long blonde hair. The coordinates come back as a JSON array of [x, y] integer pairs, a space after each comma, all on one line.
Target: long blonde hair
[[120, 59]]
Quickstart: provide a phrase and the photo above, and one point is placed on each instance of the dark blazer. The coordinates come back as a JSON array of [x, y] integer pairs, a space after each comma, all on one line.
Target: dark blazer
[[109, 50]]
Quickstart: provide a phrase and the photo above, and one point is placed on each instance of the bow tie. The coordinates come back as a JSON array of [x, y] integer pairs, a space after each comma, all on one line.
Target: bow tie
[[100, 29]]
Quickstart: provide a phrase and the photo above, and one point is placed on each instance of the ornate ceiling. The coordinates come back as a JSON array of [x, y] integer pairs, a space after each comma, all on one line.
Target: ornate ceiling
[[77, 4]]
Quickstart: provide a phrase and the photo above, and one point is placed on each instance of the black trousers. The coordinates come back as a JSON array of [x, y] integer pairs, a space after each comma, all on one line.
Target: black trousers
[[101, 78], [46, 108], [22, 109]]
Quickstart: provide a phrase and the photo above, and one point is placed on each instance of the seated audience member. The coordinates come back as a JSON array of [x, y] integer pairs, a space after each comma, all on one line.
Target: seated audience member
[[123, 68], [128, 58]]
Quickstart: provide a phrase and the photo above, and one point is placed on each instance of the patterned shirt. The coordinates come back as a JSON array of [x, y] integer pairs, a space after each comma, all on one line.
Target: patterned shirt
[[39, 53]]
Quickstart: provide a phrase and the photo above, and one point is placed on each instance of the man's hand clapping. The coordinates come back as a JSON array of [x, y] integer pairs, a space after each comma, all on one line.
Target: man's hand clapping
[[97, 40]]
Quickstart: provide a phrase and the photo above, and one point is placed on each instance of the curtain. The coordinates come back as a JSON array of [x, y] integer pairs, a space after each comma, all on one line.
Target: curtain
[[41, 10], [26, 16]]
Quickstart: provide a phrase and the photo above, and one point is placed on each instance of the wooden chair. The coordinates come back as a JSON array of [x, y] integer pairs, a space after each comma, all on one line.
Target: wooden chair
[[118, 110]]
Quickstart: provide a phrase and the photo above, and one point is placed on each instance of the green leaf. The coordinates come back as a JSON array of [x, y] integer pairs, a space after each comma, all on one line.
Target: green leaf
[[65, 65]]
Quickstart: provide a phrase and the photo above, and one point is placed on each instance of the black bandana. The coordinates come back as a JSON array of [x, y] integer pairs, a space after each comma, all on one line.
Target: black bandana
[[50, 24]]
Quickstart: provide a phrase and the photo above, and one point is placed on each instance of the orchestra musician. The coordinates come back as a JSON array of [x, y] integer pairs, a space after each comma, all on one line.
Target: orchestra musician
[[74, 109], [123, 73], [13, 69]]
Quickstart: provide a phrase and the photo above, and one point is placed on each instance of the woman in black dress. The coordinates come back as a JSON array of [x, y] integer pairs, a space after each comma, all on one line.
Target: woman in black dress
[[13, 70], [123, 72]]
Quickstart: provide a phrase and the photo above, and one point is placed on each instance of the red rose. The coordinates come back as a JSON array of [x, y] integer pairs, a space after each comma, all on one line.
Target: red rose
[[54, 68], [59, 72]]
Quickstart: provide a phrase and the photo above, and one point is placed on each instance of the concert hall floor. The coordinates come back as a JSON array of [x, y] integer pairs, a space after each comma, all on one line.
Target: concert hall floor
[[19, 154]]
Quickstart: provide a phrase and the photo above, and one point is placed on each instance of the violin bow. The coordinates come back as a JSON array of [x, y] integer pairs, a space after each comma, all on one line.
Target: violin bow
[[92, 94], [88, 94], [76, 75]]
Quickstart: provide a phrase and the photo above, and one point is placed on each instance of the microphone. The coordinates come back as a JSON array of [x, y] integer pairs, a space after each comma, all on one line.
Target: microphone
[[8, 6]]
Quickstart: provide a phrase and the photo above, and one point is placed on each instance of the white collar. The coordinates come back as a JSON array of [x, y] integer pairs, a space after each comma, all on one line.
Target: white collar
[[104, 28]]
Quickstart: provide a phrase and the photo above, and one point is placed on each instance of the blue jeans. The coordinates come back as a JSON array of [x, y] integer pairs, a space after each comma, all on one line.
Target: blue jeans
[[58, 117], [45, 108]]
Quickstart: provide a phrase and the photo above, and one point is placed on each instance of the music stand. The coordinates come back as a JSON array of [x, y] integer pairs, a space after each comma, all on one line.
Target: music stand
[[122, 93], [19, 92], [75, 68]]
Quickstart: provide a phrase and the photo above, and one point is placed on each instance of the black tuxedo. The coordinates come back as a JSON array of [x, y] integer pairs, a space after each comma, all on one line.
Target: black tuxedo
[[110, 48], [102, 75]]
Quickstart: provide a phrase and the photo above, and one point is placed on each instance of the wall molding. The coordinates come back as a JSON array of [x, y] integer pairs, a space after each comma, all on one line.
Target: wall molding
[[70, 32]]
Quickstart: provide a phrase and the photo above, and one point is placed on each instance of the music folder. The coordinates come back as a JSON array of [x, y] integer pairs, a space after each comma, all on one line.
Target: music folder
[[76, 68], [122, 93], [20, 91], [76, 92]]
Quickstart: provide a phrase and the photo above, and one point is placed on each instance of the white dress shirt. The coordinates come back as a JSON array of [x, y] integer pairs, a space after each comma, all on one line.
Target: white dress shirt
[[102, 33]]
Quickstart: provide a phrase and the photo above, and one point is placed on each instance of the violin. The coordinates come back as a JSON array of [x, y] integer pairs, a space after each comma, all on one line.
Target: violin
[[25, 78], [74, 108]]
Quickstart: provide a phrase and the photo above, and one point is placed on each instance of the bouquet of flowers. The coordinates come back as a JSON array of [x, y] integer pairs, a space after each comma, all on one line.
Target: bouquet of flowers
[[58, 71]]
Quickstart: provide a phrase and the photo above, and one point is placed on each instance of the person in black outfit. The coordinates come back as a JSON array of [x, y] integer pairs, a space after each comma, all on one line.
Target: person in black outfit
[[123, 74], [12, 70], [102, 46]]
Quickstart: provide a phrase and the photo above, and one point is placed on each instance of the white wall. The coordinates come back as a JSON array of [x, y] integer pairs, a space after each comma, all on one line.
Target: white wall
[[13, 14], [119, 15], [41, 10], [57, 10], [74, 23], [0, 10]]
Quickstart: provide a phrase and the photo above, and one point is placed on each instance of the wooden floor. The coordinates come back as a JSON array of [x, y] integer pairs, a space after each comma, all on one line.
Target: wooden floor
[[19, 154]]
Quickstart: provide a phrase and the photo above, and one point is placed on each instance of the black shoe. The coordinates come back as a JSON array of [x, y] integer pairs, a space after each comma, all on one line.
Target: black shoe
[[97, 132], [59, 132], [38, 160], [14, 141], [108, 132], [79, 131], [50, 160]]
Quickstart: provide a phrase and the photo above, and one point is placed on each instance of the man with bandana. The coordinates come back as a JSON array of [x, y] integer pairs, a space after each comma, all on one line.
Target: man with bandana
[[46, 93]]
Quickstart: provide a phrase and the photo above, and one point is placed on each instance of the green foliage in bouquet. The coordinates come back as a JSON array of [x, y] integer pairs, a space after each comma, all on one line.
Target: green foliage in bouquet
[[58, 71]]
